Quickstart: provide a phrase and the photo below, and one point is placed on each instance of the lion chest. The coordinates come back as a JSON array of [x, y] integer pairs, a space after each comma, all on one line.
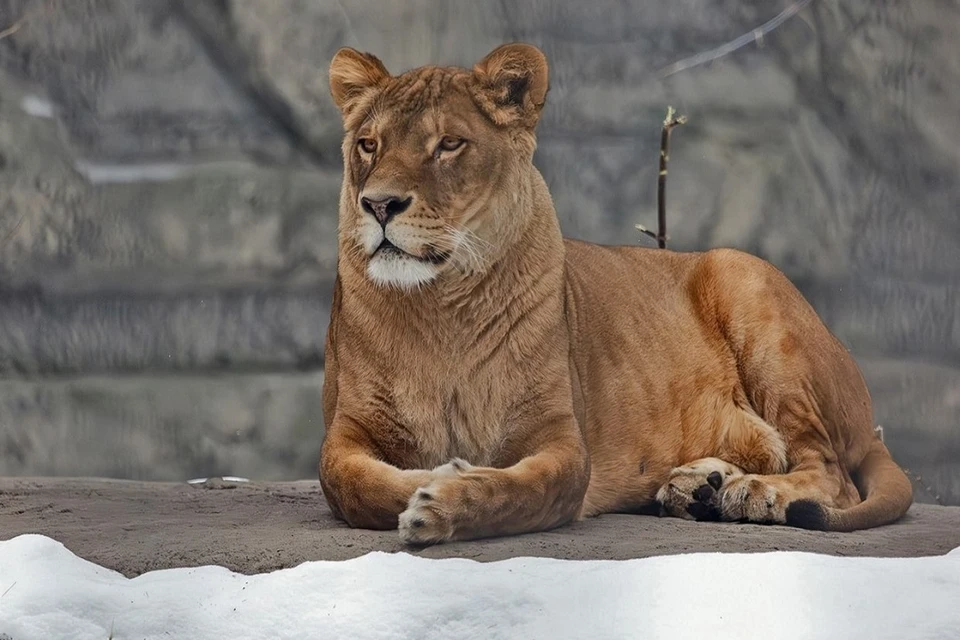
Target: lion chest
[[445, 420]]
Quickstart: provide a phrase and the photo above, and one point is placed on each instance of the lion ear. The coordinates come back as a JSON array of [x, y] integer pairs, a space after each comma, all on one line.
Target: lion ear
[[351, 74], [513, 83]]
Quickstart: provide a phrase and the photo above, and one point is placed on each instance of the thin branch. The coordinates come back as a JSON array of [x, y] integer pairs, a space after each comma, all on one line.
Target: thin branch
[[13, 231], [8, 588], [12, 29], [913, 475], [672, 120], [756, 35], [923, 483], [27, 15]]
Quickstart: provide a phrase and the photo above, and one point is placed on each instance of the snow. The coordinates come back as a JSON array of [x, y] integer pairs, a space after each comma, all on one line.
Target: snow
[[49, 593], [222, 478]]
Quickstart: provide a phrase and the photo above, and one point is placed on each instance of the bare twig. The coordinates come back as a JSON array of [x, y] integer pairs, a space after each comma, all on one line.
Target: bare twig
[[756, 35], [18, 24], [913, 475], [12, 29], [923, 483], [13, 231], [672, 120], [8, 589]]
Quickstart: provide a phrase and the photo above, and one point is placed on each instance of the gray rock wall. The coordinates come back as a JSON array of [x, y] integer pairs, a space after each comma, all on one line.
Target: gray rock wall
[[169, 173]]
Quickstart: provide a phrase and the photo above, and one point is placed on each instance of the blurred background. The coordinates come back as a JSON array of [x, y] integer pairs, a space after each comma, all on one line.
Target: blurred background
[[169, 177]]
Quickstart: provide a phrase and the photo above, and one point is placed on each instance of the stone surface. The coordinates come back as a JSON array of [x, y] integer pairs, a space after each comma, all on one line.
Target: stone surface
[[261, 426], [169, 174], [133, 527], [105, 331], [130, 82], [72, 225]]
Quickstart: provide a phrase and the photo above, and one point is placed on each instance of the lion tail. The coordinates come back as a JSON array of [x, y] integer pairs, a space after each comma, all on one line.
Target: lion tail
[[887, 496]]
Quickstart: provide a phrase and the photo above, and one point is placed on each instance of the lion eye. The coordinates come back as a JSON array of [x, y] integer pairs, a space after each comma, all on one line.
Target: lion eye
[[367, 145], [450, 143]]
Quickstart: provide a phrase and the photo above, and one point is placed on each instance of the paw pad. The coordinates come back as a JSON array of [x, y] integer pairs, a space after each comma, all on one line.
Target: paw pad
[[703, 512], [703, 493], [715, 479], [694, 491]]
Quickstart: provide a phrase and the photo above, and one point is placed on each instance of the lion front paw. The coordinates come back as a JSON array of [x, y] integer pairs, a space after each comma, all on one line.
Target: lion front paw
[[424, 522], [693, 491], [428, 517]]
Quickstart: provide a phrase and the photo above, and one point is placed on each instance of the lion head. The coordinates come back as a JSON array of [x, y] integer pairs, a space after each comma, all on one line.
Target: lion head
[[436, 162]]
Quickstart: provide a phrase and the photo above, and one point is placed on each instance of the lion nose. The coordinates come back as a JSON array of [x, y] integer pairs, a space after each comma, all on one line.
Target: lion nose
[[385, 208]]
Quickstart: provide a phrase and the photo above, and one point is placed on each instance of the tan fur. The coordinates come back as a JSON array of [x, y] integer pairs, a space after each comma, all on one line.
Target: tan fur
[[486, 377]]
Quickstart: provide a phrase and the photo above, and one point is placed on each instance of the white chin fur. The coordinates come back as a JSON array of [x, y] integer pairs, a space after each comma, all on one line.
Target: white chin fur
[[400, 271]]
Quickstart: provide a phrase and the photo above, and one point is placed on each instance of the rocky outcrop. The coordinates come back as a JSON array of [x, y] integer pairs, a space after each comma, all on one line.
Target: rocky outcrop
[[169, 172]]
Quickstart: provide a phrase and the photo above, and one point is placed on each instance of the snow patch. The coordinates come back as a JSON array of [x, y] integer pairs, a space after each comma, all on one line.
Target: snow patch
[[50, 593], [215, 478]]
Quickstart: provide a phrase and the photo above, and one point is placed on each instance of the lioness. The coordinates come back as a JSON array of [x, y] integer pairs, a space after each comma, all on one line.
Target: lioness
[[486, 377]]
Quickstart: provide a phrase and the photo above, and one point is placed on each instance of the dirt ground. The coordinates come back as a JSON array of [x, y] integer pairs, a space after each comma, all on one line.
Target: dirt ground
[[134, 527]]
